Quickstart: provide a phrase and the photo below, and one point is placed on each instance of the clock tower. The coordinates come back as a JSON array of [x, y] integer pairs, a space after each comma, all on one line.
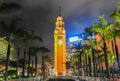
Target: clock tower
[[59, 47]]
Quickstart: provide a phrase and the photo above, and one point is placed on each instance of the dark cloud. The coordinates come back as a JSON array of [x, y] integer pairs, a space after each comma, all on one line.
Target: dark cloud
[[40, 15]]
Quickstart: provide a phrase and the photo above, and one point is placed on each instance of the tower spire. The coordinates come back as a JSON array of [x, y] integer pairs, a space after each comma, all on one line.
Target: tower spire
[[59, 10]]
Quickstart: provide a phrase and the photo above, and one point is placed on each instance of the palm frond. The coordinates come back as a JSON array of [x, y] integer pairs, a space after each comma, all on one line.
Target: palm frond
[[35, 50], [8, 7], [102, 21], [38, 38], [4, 26], [44, 49], [13, 25]]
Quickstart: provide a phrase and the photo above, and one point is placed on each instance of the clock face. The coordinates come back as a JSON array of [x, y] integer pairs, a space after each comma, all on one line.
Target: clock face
[[60, 42]]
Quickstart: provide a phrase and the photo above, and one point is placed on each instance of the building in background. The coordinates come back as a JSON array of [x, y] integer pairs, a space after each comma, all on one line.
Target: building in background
[[72, 42]]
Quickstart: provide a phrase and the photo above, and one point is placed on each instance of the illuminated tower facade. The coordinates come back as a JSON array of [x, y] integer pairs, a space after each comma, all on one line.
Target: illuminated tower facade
[[59, 47]]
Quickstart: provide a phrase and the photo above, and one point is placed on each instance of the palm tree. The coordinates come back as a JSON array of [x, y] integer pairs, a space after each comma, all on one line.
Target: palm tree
[[22, 38], [31, 36], [94, 52], [85, 51], [34, 51], [91, 46], [103, 29], [44, 50], [12, 32], [74, 62], [7, 8], [47, 63], [27, 36], [116, 31], [45, 58], [76, 59], [89, 51], [4, 45]]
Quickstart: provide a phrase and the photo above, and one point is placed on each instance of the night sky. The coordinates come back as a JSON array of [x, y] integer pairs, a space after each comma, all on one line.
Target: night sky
[[40, 16]]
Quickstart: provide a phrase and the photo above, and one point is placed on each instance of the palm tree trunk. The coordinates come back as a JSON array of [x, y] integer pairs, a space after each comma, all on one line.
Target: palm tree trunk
[[112, 46], [32, 69], [43, 68], [74, 68], [96, 69], [86, 65], [7, 61], [29, 58], [76, 64], [117, 54], [93, 57], [84, 68], [102, 67], [80, 64], [23, 73], [35, 65], [89, 66], [17, 62], [99, 64], [106, 60]]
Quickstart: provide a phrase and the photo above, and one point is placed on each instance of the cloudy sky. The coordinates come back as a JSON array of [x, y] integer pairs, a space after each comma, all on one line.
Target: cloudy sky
[[40, 15]]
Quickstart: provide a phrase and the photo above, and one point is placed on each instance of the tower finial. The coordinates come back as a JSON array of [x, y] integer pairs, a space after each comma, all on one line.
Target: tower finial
[[59, 10]]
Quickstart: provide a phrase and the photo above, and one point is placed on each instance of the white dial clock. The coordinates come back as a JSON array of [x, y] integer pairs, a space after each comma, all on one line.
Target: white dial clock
[[60, 42]]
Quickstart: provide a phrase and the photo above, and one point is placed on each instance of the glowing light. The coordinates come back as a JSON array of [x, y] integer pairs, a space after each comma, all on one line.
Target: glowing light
[[59, 48], [56, 31], [73, 39], [60, 42]]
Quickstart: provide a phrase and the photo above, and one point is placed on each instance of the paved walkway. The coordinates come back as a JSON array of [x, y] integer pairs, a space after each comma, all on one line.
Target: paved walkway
[[95, 78], [73, 77]]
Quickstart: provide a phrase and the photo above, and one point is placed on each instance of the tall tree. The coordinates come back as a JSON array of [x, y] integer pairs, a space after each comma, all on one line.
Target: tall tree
[[3, 48], [47, 63], [34, 51], [5, 8], [44, 50], [103, 30], [11, 29], [76, 59], [116, 31], [31, 36], [22, 39], [91, 46], [27, 36]]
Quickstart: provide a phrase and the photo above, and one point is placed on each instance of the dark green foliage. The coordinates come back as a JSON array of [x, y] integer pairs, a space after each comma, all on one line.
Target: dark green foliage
[[8, 7], [12, 74]]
